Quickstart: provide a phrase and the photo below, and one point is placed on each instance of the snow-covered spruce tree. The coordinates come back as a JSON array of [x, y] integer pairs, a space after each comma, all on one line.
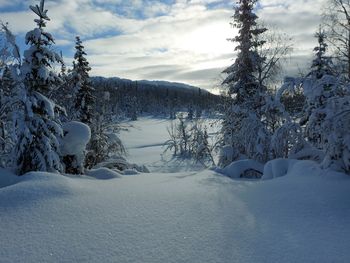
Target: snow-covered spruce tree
[[321, 67], [63, 94], [243, 129], [328, 112], [327, 118], [37, 148], [84, 99], [10, 62], [7, 85]]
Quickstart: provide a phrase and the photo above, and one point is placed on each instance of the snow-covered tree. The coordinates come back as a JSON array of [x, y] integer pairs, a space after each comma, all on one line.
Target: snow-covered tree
[[318, 88], [327, 117], [322, 64], [84, 99], [241, 80], [37, 147], [64, 93], [247, 94], [10, 62]]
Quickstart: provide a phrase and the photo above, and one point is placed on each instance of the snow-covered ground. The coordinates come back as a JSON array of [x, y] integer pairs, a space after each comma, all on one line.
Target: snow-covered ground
[[145, 139], [188, 216]]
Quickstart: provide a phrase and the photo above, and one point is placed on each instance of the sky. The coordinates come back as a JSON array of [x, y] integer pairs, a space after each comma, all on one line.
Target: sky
[[174, 40]]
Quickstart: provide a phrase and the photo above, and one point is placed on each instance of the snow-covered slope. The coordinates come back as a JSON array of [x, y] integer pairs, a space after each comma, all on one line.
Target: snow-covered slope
[[178, 217]]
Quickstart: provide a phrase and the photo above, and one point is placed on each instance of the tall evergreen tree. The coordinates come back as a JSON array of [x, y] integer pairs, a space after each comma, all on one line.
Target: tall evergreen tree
[[322, 64], [84, 99], [37, 147], [242, 80], [10, 62], [243, 129]]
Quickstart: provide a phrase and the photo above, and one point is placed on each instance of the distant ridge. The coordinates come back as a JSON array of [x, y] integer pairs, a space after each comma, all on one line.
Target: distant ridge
[[150, 84]]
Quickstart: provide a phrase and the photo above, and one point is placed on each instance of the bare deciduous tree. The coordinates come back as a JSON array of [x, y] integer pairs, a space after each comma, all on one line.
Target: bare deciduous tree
[[336, 19]]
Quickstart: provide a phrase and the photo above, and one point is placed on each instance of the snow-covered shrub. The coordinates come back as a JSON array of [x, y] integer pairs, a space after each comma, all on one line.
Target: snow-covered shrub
[[336, 127], [76, 136], [226, 154], [287, 139], [104, 143], [172, 144], [189, 139], [120, 164], [199, 144], [248, 136]]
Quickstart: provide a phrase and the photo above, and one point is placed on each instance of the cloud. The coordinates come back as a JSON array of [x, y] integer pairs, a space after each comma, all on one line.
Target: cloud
[[177, 40]]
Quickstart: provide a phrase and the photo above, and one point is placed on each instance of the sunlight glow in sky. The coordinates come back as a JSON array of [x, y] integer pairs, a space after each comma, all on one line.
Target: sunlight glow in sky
[[174, 40]]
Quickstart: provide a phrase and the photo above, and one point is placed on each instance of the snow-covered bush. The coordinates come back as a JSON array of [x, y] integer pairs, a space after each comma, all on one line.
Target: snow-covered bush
[[76, 136], [336, 127], [104, 143], [287, 139], [199, 144], [120, 164], [189, 139]]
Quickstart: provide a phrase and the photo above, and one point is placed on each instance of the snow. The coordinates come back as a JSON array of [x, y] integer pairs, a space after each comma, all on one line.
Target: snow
[[188, 216], [277, 168], [145, 143], [103, 173], [76, 137], [237, 168]]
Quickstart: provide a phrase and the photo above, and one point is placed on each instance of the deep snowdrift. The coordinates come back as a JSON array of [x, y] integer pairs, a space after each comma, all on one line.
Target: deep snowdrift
[[178, 217]]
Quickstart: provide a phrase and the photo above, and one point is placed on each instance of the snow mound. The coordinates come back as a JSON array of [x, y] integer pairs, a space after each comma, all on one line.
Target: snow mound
[[7, 178], [309, 153], [238, 168], [103, 173], [76, 137], [277, 168], [121, 164], [130, 172]]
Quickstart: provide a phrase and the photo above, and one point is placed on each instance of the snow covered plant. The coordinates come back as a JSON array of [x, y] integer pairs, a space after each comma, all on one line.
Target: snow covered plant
[[37, 148], [327, 115], [82, 88], [199, 144], [104, 143], [328, 123], [179, 134], [189, 140], [10, 62], [73, 146]]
